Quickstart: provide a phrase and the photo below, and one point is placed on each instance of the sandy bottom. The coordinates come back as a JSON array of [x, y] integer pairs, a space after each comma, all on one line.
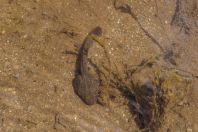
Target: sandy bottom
[[36, 92]]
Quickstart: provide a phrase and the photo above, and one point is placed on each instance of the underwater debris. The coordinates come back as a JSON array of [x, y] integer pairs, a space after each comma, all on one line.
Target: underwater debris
[[148, 106], [149, 91]]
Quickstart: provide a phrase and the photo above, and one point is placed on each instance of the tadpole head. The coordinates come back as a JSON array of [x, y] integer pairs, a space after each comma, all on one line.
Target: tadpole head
[[97, 31]]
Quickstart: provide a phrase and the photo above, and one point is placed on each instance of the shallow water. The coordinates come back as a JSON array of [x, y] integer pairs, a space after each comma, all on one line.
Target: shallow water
[[36, 76]]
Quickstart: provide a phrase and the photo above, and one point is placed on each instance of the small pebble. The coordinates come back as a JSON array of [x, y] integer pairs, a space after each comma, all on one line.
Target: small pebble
[[25, 36], [75, 117], [17, 77], [3, 32], [189, 130]]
